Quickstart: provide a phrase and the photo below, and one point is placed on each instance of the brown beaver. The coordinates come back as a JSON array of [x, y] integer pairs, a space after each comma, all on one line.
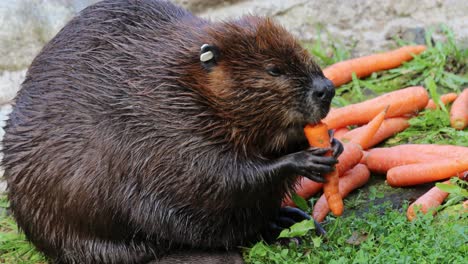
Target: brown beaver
[[142, 130]]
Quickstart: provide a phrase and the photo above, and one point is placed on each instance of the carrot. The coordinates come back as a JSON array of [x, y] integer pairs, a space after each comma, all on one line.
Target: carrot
[[340, 132], [389, 127], [433, 198], [459, 111], [363, 160], [445, 99], [317, 136], [380, 160], [306, 188], [341, 72], [419, 173], [367, 132], [441, 150], [351, 156], [404, 101], [352, 179]]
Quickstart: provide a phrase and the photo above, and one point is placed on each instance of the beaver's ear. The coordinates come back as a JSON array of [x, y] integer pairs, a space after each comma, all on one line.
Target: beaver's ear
[[209, 55]]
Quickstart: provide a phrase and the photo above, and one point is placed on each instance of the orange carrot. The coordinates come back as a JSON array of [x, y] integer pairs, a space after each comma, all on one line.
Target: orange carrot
[[445, 99], [306, 188], [380, 160], [317, 135], [341, 72], [389, 127], [459, 111], [430, 200], [441, 150], [340, 132], [366, 134], [351, 156], [404, 101], [350, 181], [419, 173], [363, 160]]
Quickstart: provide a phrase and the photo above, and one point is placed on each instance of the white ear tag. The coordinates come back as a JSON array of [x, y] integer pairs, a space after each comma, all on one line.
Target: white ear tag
[[204, 57]]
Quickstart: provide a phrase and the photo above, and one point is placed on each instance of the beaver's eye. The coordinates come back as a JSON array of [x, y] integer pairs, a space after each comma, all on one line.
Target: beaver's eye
[[273, 71]]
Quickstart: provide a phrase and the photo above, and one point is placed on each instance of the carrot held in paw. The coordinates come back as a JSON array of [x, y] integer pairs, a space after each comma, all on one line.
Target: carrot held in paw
[[459, 111], [341, 72], [445, 99], [433, 198], [317, 135], [405, 101], [351, 180], [419, 173], [306, 188]]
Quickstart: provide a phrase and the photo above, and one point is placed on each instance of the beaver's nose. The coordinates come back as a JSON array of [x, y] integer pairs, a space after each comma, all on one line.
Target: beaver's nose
[[323, 89]]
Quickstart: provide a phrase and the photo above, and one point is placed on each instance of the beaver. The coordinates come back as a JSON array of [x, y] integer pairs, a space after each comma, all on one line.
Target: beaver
[[143, 133]]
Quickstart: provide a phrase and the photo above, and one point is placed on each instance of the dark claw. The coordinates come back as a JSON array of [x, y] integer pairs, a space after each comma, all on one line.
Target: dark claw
[[318, 151], [314, 177], [294, 213], [337, 147], [285, 222], [274, 227], [319, 230]]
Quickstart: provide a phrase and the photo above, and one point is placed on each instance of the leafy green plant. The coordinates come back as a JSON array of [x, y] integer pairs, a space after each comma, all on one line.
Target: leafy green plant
[[298, 229]]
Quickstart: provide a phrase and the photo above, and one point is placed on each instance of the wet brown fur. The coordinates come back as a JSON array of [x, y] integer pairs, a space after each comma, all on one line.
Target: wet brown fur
[[122, 147]]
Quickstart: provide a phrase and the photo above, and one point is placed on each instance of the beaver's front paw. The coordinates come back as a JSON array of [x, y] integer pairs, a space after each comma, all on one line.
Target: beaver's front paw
[[311, 163], [287, 217]]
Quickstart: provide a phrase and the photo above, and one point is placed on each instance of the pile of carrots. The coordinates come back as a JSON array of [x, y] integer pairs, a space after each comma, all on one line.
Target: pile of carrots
[[381, 118]]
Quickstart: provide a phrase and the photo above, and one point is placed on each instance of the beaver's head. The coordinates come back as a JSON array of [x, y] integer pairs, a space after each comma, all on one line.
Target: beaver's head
[[263, 78]]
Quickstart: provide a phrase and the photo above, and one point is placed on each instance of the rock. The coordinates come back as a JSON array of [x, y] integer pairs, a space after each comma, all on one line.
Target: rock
[[5, 110], [413, 34], [197, 6], [365, 21], [10, 83]]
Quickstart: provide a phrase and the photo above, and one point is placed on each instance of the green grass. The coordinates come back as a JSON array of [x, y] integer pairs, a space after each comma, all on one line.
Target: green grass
[[376, 238], [14, 248], [382, 234]]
